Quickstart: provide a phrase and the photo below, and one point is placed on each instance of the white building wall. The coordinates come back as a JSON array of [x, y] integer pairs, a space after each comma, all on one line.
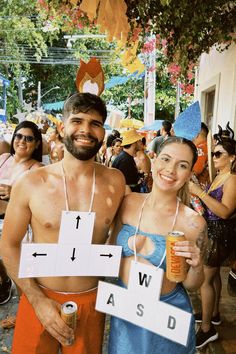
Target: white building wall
[[217, 71]]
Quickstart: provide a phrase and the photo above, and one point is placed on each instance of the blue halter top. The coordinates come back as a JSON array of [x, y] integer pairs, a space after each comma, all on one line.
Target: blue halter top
[[157, 256]]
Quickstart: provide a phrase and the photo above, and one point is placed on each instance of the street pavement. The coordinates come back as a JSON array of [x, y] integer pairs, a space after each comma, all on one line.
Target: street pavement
[[226, 344]]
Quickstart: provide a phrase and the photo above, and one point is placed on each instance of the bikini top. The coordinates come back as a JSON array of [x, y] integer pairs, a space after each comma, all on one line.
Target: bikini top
[[158, 256], [159, 243]]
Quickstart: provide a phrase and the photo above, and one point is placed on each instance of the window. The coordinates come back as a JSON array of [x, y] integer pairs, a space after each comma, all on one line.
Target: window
[[209, 107]]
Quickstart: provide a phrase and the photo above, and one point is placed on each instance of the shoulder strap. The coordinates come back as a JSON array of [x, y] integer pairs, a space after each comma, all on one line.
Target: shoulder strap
[[5, 160]]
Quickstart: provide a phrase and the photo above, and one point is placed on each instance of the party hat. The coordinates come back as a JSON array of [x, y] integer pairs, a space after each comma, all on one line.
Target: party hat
[[188, 123]]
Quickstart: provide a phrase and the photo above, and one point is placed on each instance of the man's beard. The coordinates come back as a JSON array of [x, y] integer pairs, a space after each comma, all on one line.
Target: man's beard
[[83, 153]]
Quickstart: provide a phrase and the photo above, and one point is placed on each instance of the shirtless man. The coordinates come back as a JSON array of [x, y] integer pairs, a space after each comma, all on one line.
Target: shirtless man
[[38, 199]]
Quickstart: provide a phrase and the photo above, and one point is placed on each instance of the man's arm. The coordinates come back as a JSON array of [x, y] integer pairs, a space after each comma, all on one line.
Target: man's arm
[[17, 218]]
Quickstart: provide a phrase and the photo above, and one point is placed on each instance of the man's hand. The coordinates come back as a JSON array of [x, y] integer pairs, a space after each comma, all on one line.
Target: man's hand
[[48, 313]]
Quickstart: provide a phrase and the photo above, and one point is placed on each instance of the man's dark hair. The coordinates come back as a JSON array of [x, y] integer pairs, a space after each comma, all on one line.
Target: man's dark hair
[[143, 140], [109, 140], [204, 128], [166, 124], [116, 133], [127, 146], [116, 140], [84, 102]]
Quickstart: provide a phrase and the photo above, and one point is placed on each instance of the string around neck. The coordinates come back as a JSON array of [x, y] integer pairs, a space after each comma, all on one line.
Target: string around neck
[[138, 225], [66, 190]]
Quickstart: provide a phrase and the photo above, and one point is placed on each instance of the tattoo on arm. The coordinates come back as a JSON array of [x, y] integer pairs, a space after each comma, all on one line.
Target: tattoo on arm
[[202, 242]]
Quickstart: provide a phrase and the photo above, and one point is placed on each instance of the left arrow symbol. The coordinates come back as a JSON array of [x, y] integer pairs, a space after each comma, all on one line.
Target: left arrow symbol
[[35, 254]]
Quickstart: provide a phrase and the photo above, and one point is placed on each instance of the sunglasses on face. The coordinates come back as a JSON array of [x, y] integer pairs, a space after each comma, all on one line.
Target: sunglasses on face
[[217, 154], [27, 138]]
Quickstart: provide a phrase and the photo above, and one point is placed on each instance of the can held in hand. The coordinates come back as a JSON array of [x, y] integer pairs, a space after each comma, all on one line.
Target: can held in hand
[[176, 266], [69, 314]]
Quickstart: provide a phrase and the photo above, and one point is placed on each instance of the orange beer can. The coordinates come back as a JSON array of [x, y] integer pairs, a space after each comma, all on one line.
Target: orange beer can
[[176, 266], [69, 314]]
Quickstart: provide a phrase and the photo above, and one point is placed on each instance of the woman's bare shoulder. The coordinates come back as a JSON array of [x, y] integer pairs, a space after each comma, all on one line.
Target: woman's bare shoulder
[[192, 222], [36, 176], [131, 205]]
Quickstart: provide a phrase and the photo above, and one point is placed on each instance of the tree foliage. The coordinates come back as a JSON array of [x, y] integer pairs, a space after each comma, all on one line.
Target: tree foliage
[[188, 28], [184, 29], [20, 31]]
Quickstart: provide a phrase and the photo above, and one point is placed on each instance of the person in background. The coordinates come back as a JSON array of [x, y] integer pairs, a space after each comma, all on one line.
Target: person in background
[[141, 227], [116, 149], [125, 160], [76, 183], [231, 285], [43, 127], [101, 154], [110, 138], [56, 146], [165, 132], [25, 154], [143, 164], [4, 147], [200, 167], [219, 200]]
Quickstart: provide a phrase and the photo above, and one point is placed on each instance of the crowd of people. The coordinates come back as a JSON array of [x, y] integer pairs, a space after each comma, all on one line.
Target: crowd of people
[[139, 193]]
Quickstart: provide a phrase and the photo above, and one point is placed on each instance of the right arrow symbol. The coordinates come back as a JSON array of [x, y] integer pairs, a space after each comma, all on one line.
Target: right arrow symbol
[[106, 255]]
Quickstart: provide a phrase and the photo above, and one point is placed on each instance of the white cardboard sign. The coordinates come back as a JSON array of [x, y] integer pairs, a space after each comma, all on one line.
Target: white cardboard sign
[[73, 255], [76, 227], [140, 304]]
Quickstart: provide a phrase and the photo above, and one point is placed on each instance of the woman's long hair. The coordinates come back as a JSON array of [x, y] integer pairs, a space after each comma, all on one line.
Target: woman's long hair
[[38, 151]]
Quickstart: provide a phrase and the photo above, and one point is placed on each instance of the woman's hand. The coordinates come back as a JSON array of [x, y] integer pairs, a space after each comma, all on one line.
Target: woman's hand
[[190, 251], [5, 191], [194, 188]]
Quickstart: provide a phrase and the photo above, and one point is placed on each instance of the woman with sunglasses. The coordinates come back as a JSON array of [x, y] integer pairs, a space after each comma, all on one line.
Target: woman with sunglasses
[[220, 203], [25, 154]]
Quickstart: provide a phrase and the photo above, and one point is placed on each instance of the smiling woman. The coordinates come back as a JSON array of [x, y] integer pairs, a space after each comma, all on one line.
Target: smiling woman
[[141, 228], [25, 154]]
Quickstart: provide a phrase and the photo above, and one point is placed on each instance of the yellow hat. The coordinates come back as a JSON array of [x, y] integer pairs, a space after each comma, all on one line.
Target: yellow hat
[[130, 137]]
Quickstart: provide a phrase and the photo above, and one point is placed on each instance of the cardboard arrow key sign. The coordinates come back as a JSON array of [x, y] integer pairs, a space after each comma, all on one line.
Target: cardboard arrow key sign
[[73, 255]]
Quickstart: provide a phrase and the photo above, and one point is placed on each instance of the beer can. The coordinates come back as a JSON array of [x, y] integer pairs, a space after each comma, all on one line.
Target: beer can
[[69, 313], [176, 266], [197, 204]]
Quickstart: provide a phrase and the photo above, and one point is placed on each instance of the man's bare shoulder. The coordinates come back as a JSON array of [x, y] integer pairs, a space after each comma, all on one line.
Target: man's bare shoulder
[[35, 177], [111, 174]]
